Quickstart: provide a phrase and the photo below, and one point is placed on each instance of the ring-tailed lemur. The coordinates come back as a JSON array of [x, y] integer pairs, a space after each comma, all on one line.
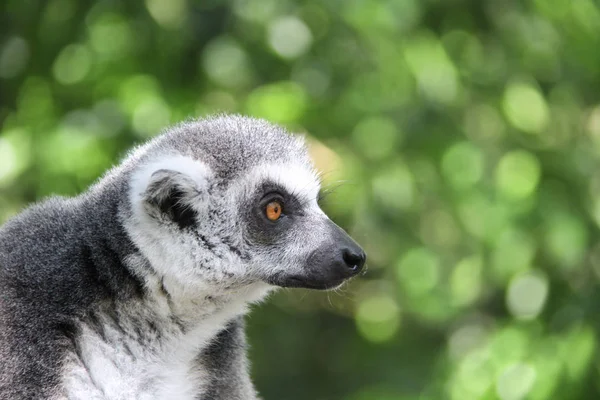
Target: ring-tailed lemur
[[136, 288]]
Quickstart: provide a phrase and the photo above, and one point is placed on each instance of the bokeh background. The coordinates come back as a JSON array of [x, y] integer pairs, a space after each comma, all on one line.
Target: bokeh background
[[460, 141]]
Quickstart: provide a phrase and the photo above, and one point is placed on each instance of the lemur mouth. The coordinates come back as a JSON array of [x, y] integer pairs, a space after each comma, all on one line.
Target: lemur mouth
[[304, 283]]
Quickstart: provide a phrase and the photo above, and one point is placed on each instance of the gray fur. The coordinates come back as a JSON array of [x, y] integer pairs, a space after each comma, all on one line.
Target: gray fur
[[137, 288]]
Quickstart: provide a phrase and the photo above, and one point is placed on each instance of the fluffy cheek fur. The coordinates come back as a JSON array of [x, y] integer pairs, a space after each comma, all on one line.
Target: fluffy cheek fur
[[194, 262], [186, 256]]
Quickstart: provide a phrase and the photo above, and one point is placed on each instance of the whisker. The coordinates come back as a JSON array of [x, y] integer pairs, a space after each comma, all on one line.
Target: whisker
[[331, 188], [329, 298], [303, 296]]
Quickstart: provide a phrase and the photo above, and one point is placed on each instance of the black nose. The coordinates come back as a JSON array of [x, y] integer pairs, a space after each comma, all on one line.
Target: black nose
[[354, 259]]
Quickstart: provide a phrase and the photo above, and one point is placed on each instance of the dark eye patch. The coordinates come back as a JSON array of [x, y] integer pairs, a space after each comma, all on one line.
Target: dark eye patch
[[259, 228], [291, 204]]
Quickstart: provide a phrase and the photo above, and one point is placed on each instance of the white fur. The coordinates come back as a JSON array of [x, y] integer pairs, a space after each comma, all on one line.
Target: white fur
[[298, 179], [197, 171], [162, 369]]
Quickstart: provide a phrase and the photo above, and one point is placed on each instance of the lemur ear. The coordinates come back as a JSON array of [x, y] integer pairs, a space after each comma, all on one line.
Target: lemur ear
[[177, 194], [171, 194]]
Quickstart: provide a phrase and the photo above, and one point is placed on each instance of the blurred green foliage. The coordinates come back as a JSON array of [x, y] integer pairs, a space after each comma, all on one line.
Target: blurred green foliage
[[468, 134]]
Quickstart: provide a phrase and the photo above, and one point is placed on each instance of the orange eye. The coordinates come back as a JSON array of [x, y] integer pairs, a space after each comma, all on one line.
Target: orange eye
[[273, 210]]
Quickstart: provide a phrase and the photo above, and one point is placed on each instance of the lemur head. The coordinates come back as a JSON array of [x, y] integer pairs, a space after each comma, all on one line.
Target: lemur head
[[233, 201]]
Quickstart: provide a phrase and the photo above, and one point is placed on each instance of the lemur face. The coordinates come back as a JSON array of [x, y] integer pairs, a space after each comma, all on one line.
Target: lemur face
[[293, 243], [240, 207]]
